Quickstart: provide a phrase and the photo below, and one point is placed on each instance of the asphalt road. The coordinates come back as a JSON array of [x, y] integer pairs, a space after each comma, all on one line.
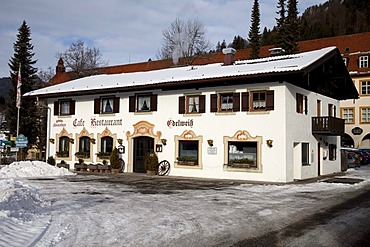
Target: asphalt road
[[346, 224]]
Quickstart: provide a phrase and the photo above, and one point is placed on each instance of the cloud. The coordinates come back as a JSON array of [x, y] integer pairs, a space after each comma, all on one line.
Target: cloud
[[124, 31]]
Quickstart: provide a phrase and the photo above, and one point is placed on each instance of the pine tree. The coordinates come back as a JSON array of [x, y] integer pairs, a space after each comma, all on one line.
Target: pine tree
[[292, 27], [281, 39], [254, 32], [29, 120]]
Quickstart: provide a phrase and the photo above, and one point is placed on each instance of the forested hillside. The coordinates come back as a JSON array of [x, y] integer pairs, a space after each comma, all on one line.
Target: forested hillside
[[333, 18]]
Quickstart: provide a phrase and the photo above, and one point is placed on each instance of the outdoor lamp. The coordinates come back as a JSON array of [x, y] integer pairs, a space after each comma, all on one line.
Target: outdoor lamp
[[93, 140], [52, 140], [210, 143], [119, 141], [164, 141], [269, 142]]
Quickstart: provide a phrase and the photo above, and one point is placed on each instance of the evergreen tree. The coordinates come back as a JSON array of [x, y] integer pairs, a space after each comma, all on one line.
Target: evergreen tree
[[281, 36], [239, 43], [254, 32], [29, 120], [292, 27]]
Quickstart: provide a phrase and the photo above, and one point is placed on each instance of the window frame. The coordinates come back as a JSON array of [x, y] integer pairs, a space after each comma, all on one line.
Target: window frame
[[255, 159], [188, 135], [99, 105], [58, 107], [360, 116], [103, 145], [217, 101], [301, 104], [343, 114], [151, 104], [367, 88], [305, 153], [184, 101], [247, 100], [332, 152], [363, 62]]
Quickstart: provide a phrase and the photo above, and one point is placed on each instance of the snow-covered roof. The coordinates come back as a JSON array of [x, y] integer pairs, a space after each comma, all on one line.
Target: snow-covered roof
[[269, 65]]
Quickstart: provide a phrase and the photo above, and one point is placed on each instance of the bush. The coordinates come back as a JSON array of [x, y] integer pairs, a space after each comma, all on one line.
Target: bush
[[151, 162], [114, 159], [51, 161]]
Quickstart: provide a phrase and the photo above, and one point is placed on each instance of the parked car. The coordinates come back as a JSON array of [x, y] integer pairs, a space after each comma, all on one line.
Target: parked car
[[366, 152], [351, 158]]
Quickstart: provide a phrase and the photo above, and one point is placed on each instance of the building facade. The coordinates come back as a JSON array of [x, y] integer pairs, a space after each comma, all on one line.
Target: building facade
[[274, 119]]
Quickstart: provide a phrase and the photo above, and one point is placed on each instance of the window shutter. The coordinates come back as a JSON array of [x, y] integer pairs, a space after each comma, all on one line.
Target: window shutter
[[116, 105], [56, 108], [213, 102], [182, 105], [270, 100], [236, 102], [97, 106], [305, 105], [153, 102], [72, 107], [245, 101], [202, 103], [132, 101]]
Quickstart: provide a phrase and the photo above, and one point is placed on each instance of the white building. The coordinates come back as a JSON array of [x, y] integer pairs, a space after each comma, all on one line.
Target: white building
[[271, 119]]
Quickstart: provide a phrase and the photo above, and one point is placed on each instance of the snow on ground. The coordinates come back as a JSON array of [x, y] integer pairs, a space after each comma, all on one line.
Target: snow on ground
[[54, 210]]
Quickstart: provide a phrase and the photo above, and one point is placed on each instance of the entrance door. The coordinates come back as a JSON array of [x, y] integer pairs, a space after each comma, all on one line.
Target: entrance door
[[142, 146]]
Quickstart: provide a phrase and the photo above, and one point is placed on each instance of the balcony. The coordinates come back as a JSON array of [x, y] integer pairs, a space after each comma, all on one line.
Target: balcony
[[330, 126]]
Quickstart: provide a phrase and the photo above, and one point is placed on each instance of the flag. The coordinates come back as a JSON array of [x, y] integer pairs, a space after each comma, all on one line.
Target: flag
[[19, 84]]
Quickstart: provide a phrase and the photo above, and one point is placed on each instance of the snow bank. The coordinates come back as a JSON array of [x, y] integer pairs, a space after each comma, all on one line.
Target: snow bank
[[32, 169]]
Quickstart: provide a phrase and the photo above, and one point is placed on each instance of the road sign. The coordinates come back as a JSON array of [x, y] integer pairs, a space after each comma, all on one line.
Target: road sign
[[21, 141]]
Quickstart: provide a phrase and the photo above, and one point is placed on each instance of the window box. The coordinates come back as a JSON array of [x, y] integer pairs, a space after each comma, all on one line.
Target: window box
[[242, 163], [62, 154], [82, 155], [187, 161], [103, 155]]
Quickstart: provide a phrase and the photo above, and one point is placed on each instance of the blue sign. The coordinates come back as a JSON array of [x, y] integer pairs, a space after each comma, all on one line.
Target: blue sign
[[21, 141]]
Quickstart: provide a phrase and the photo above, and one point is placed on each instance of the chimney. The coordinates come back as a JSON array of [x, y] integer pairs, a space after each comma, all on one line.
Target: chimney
[[60, 67], [229, 56]]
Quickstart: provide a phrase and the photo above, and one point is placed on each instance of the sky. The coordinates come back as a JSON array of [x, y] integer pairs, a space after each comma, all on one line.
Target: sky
[[44, 205], [125, 31]]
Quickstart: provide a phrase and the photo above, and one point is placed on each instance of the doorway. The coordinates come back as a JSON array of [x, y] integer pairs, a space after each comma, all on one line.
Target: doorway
[[142, 146]]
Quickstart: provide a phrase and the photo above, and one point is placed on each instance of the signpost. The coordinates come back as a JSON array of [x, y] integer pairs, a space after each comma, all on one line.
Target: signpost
[[21, 141]]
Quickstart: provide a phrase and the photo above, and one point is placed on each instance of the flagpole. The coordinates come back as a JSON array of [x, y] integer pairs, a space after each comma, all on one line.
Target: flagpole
[[18, 102]]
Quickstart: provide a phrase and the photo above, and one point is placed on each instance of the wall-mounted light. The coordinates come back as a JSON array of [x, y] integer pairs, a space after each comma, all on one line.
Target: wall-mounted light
[[164, 141], [119, 141], [72, 140], [52, 140], [269, 142], [93, 140], [210, 143]]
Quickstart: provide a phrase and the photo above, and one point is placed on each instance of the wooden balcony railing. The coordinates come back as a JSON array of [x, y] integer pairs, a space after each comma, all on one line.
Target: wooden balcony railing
[[327, 126]]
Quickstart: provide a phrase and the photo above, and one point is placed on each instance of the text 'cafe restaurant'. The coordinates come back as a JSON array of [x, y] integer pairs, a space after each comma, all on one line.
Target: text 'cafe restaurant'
[[270, 119]]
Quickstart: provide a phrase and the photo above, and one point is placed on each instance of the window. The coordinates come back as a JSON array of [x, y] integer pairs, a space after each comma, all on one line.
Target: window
[[365, 115], [258, 101], [348, 115], [301, 103], [84, 147], [332, 152], [363, 62], [305, 154], [143, 103], [242, 154], [332, 110], [63, 147], [106, 105], [64, 107], [365, 87], [225, 102], [345, 60], [191, 104], [106, 145], [188, 153]]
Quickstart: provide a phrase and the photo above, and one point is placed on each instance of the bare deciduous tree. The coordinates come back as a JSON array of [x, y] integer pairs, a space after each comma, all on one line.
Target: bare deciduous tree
[[185, 40], [82, 60]]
